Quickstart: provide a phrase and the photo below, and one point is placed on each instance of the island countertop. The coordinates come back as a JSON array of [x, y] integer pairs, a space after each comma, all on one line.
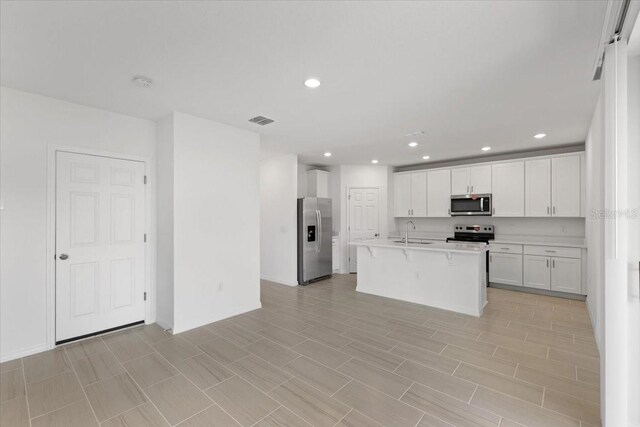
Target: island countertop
[[431, 246]]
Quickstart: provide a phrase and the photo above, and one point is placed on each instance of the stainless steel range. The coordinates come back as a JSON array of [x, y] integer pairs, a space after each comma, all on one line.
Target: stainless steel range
[[473, 234]]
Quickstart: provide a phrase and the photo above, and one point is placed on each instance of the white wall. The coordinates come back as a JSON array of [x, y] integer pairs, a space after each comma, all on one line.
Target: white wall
[[29, 123], [216, 202], [165, 282], [594, 231], [279, 189], [633, 302], [361, 176]]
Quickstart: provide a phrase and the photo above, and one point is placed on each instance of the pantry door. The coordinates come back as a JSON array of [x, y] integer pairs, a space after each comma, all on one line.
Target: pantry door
[[100, 244], [364, 217]]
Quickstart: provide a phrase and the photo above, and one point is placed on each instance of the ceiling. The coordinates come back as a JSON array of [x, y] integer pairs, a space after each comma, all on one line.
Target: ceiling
[[468, 74]]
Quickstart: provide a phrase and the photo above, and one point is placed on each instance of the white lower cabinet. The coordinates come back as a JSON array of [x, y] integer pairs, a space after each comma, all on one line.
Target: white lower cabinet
[[553, 273], [537, 272], [505, 268], [566, 275]]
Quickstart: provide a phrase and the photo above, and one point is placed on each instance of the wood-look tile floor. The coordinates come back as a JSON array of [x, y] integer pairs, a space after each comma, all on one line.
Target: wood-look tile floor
[[324, 355]]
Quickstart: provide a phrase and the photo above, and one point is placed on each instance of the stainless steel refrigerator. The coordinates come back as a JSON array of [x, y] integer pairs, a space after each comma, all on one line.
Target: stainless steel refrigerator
[[314, 239]]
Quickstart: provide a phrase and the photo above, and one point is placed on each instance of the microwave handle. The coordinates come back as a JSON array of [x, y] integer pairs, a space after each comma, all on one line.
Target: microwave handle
[[481, 204]]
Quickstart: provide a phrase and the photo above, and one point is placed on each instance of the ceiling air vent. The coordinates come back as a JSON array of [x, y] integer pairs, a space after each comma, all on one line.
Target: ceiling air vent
[[259, 120]]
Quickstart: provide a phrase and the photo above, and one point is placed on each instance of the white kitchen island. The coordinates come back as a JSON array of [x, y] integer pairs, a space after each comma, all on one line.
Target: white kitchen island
[[450, 276]]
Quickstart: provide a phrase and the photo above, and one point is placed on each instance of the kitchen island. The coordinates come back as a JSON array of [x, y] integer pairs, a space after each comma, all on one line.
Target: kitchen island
[[450, 276]]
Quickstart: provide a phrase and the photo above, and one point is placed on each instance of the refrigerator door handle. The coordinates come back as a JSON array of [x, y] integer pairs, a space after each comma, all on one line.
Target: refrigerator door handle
[[319, 232]]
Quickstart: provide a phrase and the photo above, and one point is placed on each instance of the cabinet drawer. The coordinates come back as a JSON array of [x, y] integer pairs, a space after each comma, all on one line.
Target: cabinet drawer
[[552, 251], [505, 248]]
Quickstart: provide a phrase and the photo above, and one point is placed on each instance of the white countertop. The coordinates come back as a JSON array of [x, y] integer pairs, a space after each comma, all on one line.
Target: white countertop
[[568, 242], [435, 246]]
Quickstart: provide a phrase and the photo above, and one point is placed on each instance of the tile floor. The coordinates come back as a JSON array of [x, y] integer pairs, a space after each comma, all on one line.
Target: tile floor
[[324, 355]]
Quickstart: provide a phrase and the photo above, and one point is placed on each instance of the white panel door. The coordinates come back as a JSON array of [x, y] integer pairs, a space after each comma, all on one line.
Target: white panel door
[[460, 181], [480, 179], [402, 194], [508, 189], [565, 181], [100, 254], [364, 217], [566, 275], [537, 187], [537, 272], [438, 193], [505, 269], [419, 194]]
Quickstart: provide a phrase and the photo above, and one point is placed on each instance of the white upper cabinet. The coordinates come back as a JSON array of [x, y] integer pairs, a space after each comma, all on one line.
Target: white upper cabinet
[[480, 179], [538, 187], [565, 184], [473, 179], [317, 183], [438, 192], [419, 194], [460, 181], [410, 194], [402, 194], [508, 189]]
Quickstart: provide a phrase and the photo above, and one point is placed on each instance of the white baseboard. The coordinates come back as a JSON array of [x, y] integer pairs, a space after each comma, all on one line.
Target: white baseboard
[[5, 357], [280, 281], [201, 322]]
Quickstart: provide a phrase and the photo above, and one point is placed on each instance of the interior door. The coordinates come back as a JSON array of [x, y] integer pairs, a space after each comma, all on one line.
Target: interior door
[[364, 217], [100, 254]]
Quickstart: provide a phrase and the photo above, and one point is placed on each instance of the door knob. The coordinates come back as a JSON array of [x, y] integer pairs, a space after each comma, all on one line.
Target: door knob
[[64, 256]]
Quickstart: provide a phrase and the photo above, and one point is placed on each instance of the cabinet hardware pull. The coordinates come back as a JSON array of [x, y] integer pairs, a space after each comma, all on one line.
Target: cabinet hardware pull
[[506, 249], [554, 210], [553, 263], [472, 188], [548, 210], [551, 252], [547, 263]]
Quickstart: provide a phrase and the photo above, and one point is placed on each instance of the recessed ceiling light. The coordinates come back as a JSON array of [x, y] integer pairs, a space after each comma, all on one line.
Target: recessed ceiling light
[[539, 135], [327, 154], [142, 81], [413, 144], [486, 148], [374, 161], [425, 157], [312, 83]]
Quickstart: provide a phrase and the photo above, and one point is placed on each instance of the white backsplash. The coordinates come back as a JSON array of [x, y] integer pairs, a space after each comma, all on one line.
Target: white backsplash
[[556, 227]]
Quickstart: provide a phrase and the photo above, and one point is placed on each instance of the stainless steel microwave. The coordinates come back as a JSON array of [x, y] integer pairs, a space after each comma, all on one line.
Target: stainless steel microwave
[[471, 204]]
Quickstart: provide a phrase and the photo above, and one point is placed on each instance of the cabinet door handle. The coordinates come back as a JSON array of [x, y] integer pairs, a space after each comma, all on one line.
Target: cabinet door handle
[[553, 263], [547, 263], [548, 210], [551, 252], [472, 188], [409, 212], [554, 210], [493, 211], [505, 249], [490, 258]]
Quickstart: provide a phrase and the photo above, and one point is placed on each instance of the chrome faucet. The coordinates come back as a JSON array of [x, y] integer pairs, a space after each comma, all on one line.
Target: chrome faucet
[[406, 232]]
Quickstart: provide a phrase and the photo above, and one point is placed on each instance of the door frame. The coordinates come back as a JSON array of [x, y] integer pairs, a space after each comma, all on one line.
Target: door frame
[[150, 227], [348, 205]]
